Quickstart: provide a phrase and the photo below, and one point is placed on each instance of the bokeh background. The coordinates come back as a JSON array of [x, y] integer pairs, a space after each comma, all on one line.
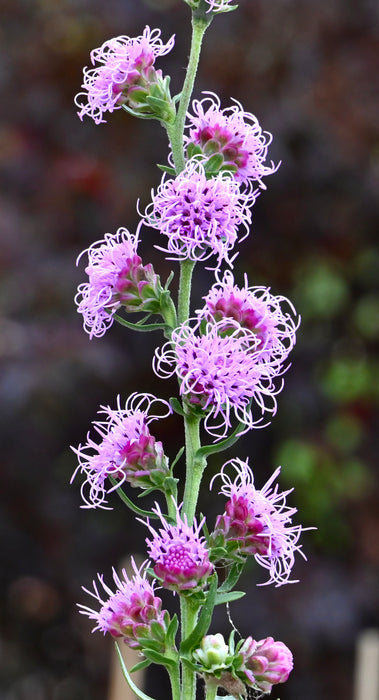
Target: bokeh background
[[309, 71]]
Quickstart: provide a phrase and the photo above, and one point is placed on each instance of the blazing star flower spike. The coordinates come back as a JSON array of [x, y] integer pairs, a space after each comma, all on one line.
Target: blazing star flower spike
[[233, 133], [258, 310], [219, 371], [126, 75], [126, 451], [259, 522], [116, 278], [200, 216], [180, 555], [129, 612]]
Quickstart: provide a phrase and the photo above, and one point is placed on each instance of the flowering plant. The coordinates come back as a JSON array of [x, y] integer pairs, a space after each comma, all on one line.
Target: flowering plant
[[229, 357]]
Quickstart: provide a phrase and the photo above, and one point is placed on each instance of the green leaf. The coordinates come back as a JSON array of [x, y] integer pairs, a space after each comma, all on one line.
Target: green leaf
[[131, 684], [139, 115], [177, 406], [166, 169], [140, 666], [204, 620], [144, 327], [177, 458], [214, 163], [172, 630], [222, 445], [158, 658], [193, 150], [232, 578], [130, 504], [222, 598]]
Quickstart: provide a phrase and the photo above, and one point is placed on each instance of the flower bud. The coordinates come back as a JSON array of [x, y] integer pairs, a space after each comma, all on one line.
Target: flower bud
[[265, 663], [212, 653]]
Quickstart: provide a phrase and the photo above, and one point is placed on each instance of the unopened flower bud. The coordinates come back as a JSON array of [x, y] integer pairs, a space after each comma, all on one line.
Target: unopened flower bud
[[265, 662], [212, 653]]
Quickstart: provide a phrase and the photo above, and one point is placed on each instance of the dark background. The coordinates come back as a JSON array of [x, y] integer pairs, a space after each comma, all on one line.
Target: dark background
[[309, 71]]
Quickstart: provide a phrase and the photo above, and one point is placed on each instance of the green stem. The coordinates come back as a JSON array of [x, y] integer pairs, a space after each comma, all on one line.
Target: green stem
[[186, 270], [211, 691], [175, 682], [194, 466], [189, 619], [175, 131]]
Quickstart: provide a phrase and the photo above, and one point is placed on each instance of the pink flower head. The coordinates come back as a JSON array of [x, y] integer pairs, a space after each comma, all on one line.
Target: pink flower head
[[258, 310], [126, 451], [265, 663], [200, 216], [129, 612], [259, 522], [116, 278], [124, 76], [233, 133], [180, 556], [219, 371]]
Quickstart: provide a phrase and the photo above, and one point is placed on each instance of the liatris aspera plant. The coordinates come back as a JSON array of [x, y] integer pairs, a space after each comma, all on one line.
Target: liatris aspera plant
[[229, 357]]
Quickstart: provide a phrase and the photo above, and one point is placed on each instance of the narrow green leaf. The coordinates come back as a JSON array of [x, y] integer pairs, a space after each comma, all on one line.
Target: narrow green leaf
[[158, 658], [176, 406], [232, 578], [139, 115], [214, 163], [222, 445], [222, 598], [130, 504], [177, 458], [172, 630], [140, 666], [166, 169], [141, 695], [204, 620], [144, 327]]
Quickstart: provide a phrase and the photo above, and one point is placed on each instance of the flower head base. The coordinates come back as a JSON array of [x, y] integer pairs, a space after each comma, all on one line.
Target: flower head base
[[180, 556], [127, 450], [219, 372], [129, 612], [232, 133], [214, 6], [200, 216], [258, 310], [126, 76], [257, 522], [265, 663], [116, 278]]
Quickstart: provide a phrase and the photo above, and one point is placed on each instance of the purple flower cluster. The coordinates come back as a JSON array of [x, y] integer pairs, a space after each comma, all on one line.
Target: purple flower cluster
[[124, 76], [180, 555], [259, 522], [219, 370], [234, 134], [117, 278], [256, 309], [200, 216], [127, 450], [129, 612]]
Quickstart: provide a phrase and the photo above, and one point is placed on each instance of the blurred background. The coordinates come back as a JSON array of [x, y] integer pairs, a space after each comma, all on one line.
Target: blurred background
[[309, 71]]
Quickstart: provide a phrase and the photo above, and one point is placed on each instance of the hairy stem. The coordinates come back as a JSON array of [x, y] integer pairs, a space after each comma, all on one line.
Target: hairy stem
[[175, 131], [189, 619]]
